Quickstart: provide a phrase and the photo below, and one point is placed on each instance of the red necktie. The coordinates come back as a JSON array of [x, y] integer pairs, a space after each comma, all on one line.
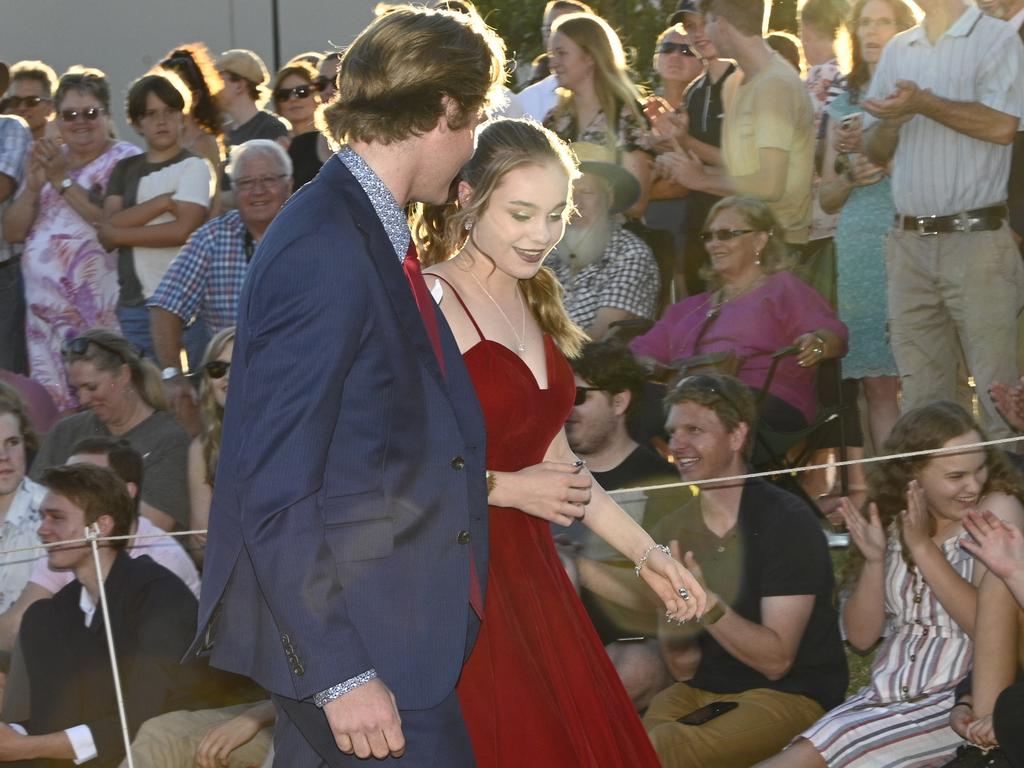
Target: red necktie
[[425, 304], [424, 301]]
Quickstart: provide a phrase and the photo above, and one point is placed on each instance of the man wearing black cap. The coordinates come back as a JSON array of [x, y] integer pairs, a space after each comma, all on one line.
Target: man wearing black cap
[[15, 140]]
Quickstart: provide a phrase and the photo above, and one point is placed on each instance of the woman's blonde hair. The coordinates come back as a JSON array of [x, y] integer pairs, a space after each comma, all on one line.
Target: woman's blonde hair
[[108, 352], [211, 413], [440, 231], [612, 82]]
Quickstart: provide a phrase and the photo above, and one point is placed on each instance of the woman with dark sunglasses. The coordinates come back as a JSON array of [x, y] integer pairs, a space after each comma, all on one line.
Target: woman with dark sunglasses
[[70, 278], [295, 96], [204, 451], [755, 308]]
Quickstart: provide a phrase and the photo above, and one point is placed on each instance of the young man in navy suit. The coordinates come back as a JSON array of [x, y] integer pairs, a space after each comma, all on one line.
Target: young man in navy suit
[[347, 551]]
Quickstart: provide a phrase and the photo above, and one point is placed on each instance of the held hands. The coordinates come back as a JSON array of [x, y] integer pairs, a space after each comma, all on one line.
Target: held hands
[[996, 543], [1010, 402], [682, 167], [901, 105], [365, 721], [552, 490], [867, 533]]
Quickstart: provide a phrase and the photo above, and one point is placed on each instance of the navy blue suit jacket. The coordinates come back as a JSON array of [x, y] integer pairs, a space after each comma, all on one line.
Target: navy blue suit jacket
[[350, 490]]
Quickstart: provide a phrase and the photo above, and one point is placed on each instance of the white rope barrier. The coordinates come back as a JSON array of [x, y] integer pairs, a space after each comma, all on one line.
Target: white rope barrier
[[92, 534], [93, 539]]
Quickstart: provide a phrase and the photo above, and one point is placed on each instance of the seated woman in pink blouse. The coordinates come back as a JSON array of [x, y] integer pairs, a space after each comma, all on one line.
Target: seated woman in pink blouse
[[755, 309]]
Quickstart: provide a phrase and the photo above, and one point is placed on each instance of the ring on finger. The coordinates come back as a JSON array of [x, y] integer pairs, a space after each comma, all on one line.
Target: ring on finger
[[684, 593]]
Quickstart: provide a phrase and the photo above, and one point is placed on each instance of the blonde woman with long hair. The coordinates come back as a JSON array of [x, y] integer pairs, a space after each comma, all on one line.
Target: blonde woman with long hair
[[598, 102], [204, 451], [538, 667]]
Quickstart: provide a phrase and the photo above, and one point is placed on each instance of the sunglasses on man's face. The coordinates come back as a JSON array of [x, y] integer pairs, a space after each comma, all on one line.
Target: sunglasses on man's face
[[91, 114], [681, 48], [323, 83], [581, 394], [17, 102], [298, 92]]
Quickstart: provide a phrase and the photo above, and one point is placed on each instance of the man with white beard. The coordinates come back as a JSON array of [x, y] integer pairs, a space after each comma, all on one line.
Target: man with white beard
[[608, 273]]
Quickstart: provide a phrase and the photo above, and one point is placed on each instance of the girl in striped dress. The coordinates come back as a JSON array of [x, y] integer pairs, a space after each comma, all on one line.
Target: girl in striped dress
[[912, 586]]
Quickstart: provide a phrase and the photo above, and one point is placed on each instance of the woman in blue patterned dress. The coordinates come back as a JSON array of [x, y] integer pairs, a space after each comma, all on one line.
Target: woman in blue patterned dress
[[912, 588], [863, 192]]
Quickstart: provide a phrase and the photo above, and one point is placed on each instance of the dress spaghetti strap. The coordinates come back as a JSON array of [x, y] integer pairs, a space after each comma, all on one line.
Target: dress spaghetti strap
[[464, 307]]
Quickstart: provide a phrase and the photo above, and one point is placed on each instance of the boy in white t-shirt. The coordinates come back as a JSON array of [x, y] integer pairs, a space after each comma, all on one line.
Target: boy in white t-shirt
[[154, 202]]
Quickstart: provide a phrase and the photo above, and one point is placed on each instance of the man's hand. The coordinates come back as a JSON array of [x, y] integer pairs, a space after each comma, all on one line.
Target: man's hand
[[900, 105], [1009, 401], [184, 403], [218, 743], [684, 168], [365, 722], [12, 744]]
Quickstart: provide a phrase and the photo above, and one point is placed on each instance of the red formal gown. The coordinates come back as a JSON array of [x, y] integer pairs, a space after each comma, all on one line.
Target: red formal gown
[[539, 690]]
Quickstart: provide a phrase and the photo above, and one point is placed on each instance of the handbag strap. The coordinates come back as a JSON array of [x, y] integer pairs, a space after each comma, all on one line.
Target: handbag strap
[[709, 318]]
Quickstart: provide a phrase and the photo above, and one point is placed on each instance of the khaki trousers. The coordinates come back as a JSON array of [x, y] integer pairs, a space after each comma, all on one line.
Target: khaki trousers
[[170, 740], [953, 291], [761, 726]]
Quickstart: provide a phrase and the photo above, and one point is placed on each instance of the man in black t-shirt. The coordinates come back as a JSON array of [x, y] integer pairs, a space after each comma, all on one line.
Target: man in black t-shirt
[[769, 641]]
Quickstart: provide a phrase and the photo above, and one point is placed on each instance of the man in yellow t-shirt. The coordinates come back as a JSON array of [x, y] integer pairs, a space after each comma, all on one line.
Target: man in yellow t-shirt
[[768, 129]]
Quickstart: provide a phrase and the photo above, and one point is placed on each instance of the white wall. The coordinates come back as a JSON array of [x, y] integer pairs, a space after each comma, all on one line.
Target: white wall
[[126, 37]]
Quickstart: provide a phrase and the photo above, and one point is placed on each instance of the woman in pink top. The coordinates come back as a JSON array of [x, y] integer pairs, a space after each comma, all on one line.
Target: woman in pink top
[[756, 307]]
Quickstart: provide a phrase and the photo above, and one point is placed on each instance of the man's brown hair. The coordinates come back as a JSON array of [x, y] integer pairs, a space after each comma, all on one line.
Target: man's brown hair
[[747, 16], [97, 491], [393, 77]]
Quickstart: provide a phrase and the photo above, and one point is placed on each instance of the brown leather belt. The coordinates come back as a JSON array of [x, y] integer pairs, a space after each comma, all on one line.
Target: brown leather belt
[[978, 220]]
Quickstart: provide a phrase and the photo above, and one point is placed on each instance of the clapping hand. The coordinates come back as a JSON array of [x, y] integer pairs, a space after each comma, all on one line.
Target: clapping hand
[[867, 532], [996, 543], [668, 127], [682, 167], [915, 519], [1010, 402], [54, 162]]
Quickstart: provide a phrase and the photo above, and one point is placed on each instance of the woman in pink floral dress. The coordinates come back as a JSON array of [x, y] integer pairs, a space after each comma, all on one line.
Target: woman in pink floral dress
[[70, 279]]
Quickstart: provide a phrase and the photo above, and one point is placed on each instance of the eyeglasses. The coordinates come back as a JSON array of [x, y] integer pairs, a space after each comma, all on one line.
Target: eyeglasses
[[323, 83], [90, 114], [16, 102], [723, 235], [217, 369], [251, 183], [78, 347], [581, 394], [298, 92], [682, 48]]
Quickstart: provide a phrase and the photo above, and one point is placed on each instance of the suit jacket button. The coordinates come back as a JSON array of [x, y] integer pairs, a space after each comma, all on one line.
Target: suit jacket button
[[463, 537], [458, 462]]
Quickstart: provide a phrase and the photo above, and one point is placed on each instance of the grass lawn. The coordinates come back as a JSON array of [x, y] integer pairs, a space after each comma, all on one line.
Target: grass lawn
[[860, 665]]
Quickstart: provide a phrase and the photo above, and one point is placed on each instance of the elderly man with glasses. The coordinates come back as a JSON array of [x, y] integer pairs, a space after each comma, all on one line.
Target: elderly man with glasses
[[205, 279]]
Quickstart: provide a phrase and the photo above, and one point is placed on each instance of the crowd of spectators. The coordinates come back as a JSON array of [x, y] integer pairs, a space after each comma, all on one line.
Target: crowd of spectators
[[757, 214]]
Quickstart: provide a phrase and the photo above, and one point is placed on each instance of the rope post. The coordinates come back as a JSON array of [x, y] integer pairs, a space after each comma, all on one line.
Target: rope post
[[92, 535]]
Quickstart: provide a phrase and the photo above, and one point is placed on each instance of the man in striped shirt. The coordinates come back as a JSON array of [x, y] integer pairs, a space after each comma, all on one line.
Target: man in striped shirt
[[944, 107]]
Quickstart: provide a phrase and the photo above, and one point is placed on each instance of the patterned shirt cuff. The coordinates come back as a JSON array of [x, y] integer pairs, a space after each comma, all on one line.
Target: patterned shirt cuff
[[339, 690]]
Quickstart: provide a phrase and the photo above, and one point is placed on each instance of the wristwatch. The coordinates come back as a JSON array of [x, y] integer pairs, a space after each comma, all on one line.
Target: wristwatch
[[712, 615], [170, 373], [65, 185]]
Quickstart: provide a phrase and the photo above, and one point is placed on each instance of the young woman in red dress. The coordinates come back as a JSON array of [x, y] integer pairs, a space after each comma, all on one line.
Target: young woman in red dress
[[539, 689]]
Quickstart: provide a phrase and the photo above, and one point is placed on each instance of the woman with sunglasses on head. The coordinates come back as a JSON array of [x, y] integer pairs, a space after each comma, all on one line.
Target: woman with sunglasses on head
[[205, 449], [122, 396], [539, 688], [70, 278], [295, 95], [913, 588], [755, 308]]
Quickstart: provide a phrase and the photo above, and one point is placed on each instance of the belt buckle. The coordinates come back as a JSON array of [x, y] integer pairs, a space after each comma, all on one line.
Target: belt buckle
[[923, 228]]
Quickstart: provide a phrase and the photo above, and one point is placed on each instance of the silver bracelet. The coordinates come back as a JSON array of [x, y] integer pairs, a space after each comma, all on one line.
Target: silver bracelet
[[647, 552], [339, 690]]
